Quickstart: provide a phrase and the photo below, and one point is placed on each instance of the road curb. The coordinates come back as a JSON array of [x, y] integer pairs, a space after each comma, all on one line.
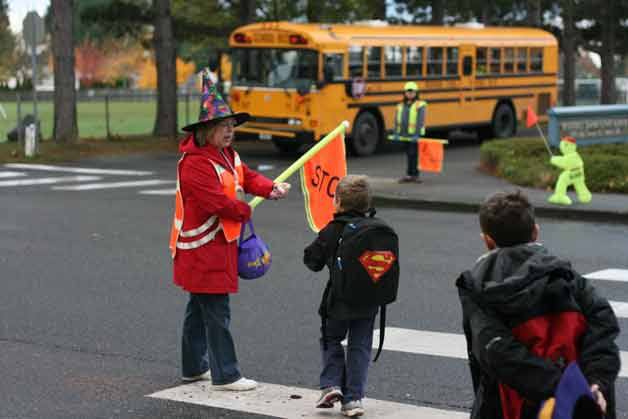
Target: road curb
[[588, 215]]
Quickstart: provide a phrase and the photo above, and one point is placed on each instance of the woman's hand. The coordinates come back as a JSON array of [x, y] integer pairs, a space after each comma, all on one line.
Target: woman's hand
[[599, 397], [280, 190]]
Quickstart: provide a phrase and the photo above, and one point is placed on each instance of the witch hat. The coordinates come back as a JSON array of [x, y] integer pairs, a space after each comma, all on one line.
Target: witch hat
[[213, 107]]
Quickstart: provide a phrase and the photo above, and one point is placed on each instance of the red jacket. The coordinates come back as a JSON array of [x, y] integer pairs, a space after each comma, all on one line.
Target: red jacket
[[213, 267]]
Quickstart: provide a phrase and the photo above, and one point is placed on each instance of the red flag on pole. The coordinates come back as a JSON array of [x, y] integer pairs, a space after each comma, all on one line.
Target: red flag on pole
[[431, 156], [531, 117]]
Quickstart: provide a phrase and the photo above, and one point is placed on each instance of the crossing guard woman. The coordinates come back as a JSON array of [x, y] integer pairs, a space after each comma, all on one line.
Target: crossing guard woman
[[209, 212], [409, 127]]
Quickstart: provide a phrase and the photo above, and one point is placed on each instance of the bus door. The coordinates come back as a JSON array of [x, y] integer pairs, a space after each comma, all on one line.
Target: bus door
[[467, 78]]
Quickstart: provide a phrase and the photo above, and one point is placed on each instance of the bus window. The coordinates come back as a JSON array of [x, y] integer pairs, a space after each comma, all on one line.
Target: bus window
[[414, 62], [467, 65], [393, 62], [480, 61], [374, 62], [356, 61], [496, 60], [332, 69], [434, 61], [509, 60], [536, 60], [522, 60], [270, 67], [452, 61]]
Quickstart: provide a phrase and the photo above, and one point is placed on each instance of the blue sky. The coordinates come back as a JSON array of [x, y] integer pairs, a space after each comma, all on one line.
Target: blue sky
[[19, 8]]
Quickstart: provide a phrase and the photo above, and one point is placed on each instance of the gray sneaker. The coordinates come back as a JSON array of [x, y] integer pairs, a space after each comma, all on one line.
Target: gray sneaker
[[329, 396], [352, 408]]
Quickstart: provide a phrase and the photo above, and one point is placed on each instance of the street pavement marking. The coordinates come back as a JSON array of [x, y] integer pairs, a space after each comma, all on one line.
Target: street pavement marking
[[292, 402], [620, 275], [620, 308], [7, 174], [112, 185], [47, 180], [158, 192], [82, 170], [440, 344]]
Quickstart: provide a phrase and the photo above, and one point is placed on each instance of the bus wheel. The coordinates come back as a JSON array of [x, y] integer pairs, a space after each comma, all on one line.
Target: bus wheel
[[287, 146], [365, 134], [504, 123]]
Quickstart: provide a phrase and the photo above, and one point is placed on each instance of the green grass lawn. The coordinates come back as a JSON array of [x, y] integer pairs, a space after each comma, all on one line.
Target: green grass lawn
[[125, 117]]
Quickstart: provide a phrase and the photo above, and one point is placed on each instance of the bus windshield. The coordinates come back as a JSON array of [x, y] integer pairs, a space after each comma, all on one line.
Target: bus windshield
[[286, 68]]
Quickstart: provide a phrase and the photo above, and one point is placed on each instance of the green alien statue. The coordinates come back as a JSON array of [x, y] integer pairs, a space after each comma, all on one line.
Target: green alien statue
[[573, 174]]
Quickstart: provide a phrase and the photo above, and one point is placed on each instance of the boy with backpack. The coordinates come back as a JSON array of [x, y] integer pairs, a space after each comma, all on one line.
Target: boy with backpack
[[527, 316], [361, 253]]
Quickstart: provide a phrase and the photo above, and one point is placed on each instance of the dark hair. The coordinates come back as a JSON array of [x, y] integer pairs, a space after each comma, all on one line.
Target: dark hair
[[354, 193], [508, 218]]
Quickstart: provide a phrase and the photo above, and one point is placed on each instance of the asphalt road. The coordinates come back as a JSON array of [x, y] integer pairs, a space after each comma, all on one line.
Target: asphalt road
[[90, 321]]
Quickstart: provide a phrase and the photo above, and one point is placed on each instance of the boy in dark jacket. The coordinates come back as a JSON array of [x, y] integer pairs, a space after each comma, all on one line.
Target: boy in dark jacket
[[340, 380], [526, 315]]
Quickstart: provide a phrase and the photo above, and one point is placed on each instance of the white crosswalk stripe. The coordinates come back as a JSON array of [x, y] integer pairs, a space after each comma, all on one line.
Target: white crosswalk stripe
[[158, 192], [292, 402], [112, 185], [440, 344], [47, 181], [619, 275], [7, 174], [81, 170]]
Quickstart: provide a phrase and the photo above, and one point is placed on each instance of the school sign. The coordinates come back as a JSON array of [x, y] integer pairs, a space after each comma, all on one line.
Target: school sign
[[589, 124]]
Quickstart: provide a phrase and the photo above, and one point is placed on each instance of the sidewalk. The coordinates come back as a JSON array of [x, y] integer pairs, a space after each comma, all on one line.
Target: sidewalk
[[462, 187]]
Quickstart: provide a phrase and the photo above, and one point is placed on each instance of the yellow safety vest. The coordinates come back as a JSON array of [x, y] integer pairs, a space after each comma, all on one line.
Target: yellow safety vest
[[412, 119]]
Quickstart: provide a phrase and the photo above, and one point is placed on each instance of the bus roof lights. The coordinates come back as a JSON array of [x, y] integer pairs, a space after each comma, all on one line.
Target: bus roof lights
[[297, 40], [241, 38]]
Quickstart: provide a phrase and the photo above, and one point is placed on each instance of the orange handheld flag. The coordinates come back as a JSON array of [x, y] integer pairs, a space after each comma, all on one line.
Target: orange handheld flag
[[431, 154], [531, 117], [319, 178]]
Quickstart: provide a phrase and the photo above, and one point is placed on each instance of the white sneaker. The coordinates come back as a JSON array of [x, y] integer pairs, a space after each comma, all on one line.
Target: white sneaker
[[206, 376], [243, 384]]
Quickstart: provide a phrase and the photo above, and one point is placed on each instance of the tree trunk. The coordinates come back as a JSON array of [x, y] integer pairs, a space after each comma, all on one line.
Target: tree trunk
[[165, 58], [609, 26], [534, 13], [378, 8], [438, 12], [65, 128], [569, 54], [313, 10], [247, 11]]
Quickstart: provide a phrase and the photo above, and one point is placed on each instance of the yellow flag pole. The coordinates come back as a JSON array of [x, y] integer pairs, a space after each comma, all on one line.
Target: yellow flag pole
[[342, 128]]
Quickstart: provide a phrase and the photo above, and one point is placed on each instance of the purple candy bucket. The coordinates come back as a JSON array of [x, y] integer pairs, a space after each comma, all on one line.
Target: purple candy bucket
[[253, 255]]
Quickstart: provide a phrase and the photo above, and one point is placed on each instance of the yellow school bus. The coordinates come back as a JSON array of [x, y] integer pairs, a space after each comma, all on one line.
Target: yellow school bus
[[299, 81]]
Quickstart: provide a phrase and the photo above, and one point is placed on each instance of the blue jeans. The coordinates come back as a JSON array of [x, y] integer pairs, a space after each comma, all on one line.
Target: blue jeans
[[350, 374], [207, 343]]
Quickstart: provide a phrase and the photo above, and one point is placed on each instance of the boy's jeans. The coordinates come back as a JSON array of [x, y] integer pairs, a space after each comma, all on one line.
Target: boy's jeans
[[207, 342], [349, 375]]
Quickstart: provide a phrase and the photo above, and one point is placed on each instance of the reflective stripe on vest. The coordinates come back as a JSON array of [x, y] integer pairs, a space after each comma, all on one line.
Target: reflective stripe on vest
[[412, 119], [230, 184], [231, 229]]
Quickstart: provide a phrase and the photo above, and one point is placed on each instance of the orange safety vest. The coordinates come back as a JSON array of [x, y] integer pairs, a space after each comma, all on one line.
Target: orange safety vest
[[231, 182]]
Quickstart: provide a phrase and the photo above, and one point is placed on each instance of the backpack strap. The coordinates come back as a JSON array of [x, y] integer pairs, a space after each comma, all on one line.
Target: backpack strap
[[382, 328]]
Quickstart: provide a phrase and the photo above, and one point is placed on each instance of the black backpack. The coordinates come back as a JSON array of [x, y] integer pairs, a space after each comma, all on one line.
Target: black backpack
[[365, 269]]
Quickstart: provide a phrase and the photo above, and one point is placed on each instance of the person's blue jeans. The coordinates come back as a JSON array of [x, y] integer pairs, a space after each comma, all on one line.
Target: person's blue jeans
[[412, 153], [207, 342], [349, 374]]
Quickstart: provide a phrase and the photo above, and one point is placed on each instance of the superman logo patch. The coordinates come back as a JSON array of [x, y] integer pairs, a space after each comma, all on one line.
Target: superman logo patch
[[377, 262]]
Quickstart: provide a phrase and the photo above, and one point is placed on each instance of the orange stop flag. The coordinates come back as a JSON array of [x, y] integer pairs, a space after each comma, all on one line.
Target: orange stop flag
[[319, 177], [431, 154], [531, 117]]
